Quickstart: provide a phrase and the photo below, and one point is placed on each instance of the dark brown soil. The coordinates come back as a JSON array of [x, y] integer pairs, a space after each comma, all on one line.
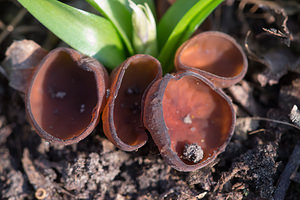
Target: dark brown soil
[[260, 162]]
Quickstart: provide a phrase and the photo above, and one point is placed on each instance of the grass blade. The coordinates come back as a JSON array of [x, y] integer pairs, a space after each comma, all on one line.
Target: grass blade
[[171, 18]]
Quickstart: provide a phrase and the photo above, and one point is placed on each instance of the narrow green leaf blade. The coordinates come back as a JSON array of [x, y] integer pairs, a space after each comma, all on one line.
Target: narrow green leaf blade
[[171, 18], [197, 21], [88, 33], [119, 14], [184, 29]]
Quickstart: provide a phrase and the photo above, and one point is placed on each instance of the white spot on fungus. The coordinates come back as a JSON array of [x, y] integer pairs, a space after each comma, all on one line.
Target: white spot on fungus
[[60, 94], [82, 108], [192, 129], [187, 119]]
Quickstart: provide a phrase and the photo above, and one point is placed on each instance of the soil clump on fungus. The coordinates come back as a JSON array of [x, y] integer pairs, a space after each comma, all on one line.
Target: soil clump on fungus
[[260, 161]]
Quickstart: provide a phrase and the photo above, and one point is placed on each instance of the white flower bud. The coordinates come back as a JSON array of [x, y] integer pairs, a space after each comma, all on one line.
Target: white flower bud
[[144, 29]]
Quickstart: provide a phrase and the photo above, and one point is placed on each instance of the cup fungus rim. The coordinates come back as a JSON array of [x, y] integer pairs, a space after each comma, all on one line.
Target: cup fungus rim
[[180, 66], [164, 145], [119, 74], [97, 109]]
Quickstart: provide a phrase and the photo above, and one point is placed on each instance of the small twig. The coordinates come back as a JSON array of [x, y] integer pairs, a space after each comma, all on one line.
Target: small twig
[[257, 131], [271, 120], [26, 29], [8, 29], [290, 168], [63, 190], [254, 8]]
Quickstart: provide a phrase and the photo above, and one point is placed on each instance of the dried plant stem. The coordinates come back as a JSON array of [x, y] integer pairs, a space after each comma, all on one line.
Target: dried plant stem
[[271, 120], [290, 168], [9, 28], [257, 131]]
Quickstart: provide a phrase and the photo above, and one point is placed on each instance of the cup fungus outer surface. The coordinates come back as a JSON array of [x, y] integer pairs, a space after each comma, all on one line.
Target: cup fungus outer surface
[[214, 55], [186, 109], [22, 57], [122, 115], [66, 96]]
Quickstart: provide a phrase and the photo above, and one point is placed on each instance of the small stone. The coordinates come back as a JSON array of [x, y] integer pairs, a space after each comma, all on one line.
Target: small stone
[[107, 146], [192, 152], [295, 115], [201, 195]]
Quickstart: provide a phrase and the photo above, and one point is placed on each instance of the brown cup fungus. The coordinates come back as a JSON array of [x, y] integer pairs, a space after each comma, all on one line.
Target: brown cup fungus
[[122, 121], [215, 55], [66, 96], [190, 120]]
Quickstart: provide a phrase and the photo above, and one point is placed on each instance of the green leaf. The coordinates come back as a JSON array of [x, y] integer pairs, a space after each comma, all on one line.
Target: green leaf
[[118, 13], [197, 21], [88, 33], [184, 28], [171, 18]]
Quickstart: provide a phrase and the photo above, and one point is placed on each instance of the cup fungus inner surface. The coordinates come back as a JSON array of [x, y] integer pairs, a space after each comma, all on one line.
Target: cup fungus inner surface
[[214, 54], [127, 111], [63, 97], [194, 113]]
